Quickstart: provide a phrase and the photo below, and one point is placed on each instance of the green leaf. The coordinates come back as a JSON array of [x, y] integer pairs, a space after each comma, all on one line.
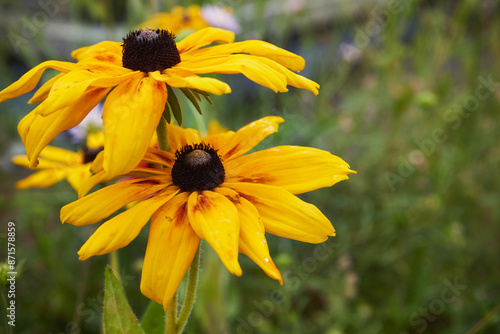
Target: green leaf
[[153, 320], [166, 113], [192, 98], [118, 316], [205, 95], [174, 105]]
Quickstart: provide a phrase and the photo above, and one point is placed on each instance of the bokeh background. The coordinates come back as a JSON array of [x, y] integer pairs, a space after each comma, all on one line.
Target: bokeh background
[[409, 97]]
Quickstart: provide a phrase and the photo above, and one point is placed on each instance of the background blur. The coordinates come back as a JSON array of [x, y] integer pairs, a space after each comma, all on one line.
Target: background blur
[[409, 98]]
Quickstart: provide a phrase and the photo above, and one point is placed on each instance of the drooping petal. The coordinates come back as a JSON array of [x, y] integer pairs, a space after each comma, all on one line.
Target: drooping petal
[[131, 114], [29, 80], [256, 48], [102, 203], [78, 175], [179, 137], [294, 168], [284, 214], [204, 37], [100, 52], [248, 136], [252, 241], [37, 131], [172, 245], [214, 218], [249, 66], [42, 92], [119, 231], [44, 178], [184, 79]]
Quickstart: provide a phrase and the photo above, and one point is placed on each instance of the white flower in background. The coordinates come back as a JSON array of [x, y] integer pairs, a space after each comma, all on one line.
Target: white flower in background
[[220, 17], [91, 123]]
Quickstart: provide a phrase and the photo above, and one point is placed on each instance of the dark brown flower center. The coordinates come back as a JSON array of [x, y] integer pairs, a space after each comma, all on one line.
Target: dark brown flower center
[[150, 50], [197, 167], [89, 154]]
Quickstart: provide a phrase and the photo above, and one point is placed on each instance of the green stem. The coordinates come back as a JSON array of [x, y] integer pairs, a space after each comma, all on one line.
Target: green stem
[[161, 132], [188, 303], [115, 264], [8, 329], [171, 316]]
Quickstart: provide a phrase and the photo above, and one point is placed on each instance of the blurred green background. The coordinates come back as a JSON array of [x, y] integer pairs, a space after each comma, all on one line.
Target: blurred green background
[[409, 98]]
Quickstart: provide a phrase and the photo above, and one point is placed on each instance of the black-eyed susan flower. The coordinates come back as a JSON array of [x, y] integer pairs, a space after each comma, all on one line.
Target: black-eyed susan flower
[[210, 189], [193, 18], [142, 71], [57, 164]]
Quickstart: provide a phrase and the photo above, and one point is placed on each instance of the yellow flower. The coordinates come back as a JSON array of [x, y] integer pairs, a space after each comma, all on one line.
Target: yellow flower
[[142, 73], [210, 189], [178, 19], [57, 164]]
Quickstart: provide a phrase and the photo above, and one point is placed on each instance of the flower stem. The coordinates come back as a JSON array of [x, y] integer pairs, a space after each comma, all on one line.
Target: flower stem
[[188, 303], [171, 316], [161, 132], [115, 264]]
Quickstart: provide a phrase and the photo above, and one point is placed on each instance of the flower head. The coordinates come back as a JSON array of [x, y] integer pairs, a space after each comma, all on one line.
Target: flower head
[[57, 164], [139, 75], [210, 189]]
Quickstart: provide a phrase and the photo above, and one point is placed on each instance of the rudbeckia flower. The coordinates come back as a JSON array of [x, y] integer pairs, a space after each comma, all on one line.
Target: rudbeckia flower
[[57, 164], [210, 189], [142, 70]]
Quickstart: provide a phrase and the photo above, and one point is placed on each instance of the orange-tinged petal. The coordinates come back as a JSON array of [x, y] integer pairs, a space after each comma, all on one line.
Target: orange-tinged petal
[[252, 241], [100, 51], [294, 168], [131, 114], [248, 136], [171, 248], [42, 92], [214, 218], [179, 137], [184, 79], [256, 48], [29, 80], [249, 66], [284, 214], [78, 175], [37, 131], [119, 231], [44, 178], [204, 37], [102, 203], [218, 140]]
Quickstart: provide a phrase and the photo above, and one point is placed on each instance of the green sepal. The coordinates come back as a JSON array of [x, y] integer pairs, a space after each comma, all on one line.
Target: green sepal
[[204, 94], [118, 316], [174, 105], [153, 320], [166, 113], [192, 98]]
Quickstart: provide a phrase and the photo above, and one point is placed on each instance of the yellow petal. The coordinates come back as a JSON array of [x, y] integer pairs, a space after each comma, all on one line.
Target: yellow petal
[[22, 160], [43, 178], [257, 48], [252, 241], [248, 136], [101, 51], [78, 175], [284, 214], [119, 231], [218, 140], [102, 203], [172, 245], [214, 218], [249, 66], [204, 37], [42, 92], [131, 114], [184, 79], [179, 137], [61, 155], [37, 131], [294, 168], [29, 80]]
